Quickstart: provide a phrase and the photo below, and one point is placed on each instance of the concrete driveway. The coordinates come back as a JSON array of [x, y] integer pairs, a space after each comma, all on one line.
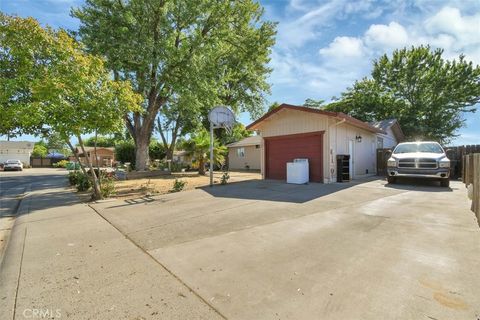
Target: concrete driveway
[[268, 250]]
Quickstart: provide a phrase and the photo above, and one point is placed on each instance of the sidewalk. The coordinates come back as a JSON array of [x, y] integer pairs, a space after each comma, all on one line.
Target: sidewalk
[[64, 261]]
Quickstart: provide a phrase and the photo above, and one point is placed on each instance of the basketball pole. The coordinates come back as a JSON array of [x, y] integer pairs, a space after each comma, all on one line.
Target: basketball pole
[[211, 154]]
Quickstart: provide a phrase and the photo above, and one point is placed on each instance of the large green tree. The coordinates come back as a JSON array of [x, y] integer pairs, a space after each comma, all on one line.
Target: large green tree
[[181, 55], [56, 87], [425, 92]]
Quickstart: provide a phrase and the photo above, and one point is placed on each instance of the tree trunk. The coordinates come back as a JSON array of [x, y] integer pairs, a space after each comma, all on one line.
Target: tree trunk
[[97, 193], [77, 157], [201, 166], [169, 152], [142, 158]]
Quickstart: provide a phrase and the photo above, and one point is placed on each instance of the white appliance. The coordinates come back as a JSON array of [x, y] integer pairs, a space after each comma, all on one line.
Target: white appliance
[[297, 171]]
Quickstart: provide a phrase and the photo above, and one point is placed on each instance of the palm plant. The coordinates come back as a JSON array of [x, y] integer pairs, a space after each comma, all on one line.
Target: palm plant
[[198, 146]]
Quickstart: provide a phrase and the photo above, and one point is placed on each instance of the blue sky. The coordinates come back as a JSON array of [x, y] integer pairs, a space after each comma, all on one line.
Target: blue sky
[[324, 46]]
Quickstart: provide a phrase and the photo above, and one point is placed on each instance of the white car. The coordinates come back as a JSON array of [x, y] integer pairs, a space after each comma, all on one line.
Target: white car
[[13, 165]]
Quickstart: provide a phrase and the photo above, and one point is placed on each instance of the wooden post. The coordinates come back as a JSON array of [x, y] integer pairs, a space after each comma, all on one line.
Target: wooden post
[[476, 186], [466, 167]]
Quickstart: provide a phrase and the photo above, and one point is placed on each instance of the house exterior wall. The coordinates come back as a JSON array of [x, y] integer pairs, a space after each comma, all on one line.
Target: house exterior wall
[[16, 150], [364, 152], [336, 140], [252, 158], [105, 157], [389, 140]]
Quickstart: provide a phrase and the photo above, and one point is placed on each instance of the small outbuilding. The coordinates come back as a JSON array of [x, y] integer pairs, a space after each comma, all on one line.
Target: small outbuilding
[[245, 154], [331, 141], [104, 156], [16, 150]]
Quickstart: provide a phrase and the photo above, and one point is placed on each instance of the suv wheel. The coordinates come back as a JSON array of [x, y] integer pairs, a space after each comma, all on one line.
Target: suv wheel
[[445, 183], [391, 179]]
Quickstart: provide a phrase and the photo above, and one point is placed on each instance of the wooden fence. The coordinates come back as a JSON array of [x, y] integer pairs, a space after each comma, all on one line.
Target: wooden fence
[[456, 156], [39, 162], [471, 177]]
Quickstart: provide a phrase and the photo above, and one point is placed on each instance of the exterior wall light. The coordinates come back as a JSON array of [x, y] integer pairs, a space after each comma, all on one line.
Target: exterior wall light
[[358, 138]]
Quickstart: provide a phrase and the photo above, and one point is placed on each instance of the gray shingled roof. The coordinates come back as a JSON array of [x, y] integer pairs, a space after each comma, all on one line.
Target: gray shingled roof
[[383, 124], [248, 141]]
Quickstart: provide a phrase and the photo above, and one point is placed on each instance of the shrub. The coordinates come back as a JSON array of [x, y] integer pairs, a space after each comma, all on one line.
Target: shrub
[[178, 185], [73, 177], [83, 182], [61, 164], [176, 167], [156, 150], [107, 186], [225, 177], [125, 152]]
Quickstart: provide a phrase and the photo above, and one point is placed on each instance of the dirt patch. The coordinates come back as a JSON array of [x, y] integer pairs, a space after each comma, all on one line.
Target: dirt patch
[[163, 184]]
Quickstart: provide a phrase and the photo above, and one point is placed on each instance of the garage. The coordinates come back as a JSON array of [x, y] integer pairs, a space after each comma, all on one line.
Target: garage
[[323, 137], [282, 149]]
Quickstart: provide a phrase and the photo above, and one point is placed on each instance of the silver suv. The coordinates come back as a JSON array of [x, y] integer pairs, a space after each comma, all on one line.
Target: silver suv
[[425, 159]]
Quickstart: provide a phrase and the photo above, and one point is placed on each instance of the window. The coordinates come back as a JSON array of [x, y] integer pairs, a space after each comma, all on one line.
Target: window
[[379, 143], [241, 152]]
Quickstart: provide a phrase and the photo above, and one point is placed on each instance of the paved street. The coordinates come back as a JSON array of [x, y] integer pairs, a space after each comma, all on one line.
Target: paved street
[[14, 185], [248, 250]]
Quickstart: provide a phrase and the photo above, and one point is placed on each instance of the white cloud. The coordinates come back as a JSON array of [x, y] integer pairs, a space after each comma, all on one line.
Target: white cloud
[[466, 29], [343, 47], [297, 32], [388, 36], [300, 70]]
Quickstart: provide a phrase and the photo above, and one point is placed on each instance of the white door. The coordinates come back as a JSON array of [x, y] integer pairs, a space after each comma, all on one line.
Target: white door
[[351, 162]]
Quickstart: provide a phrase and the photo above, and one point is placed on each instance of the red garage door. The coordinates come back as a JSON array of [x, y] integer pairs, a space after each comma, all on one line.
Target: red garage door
[[282, 149]]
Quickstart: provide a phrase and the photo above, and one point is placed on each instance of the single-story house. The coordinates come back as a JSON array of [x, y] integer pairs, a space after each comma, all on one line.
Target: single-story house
[[16, 150], [391, 133], [105, 155], [182, 157], [245, 154], [290, 132]]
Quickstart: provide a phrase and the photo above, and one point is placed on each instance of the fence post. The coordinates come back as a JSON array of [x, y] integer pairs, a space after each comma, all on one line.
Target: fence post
[[476, 186], [466, 176]]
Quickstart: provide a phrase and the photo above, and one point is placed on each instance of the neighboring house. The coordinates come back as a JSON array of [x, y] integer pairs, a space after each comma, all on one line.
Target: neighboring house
[[290, 132], [16, 150], [105, 156], [245, 154], [182, 157], [391, 134]]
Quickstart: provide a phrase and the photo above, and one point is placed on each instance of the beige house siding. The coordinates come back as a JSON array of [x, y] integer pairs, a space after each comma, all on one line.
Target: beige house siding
[[336, 140], [389, 140], [16, 150], [252, 158]]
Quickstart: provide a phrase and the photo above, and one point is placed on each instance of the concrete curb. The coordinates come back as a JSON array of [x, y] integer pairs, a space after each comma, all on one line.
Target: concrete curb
[[11, 261]]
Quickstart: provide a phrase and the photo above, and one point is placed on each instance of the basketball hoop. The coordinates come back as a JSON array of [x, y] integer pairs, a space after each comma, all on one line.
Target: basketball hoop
[[220, 117]]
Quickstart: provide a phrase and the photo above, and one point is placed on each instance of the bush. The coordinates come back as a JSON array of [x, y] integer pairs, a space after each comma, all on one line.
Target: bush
[[125, 152], [83, 182], [107, 186], [225, 178], [178, 185], [61, 164], [73, 177], [156, 151]]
